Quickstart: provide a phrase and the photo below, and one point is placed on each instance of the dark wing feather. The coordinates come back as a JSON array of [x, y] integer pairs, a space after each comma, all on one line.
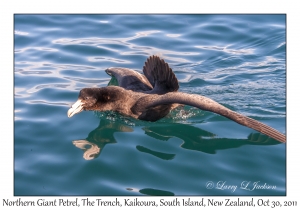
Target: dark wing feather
[[160, 75], [130, 79], [207, 104]]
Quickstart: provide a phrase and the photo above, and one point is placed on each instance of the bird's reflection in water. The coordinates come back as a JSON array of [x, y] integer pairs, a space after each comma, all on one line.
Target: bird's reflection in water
[[200, 140], [193, 138], [98, 138], [151, 191], [160, 155]]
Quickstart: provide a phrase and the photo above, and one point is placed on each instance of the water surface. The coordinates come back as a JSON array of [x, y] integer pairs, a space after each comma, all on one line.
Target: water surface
[[237, 60]]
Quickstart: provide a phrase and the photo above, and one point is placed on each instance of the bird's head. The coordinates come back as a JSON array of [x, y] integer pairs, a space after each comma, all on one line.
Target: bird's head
[[96, 99], [87, 100]]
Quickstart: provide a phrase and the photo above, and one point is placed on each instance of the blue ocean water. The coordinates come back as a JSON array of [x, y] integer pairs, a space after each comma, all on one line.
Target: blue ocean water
[[237, 60]]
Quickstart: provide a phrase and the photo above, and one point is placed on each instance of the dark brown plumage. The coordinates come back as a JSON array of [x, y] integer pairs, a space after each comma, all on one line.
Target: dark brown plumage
[[151, 96]]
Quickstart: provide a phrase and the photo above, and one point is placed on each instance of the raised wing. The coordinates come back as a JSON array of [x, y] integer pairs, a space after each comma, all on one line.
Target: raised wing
[[130, 79], [160, 75]]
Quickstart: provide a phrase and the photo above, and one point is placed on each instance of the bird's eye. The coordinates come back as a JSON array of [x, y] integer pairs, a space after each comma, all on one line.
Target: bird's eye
[[87, 98]]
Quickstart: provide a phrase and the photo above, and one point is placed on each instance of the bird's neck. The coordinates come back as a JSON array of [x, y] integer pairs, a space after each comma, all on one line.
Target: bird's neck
[[116, 98]]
